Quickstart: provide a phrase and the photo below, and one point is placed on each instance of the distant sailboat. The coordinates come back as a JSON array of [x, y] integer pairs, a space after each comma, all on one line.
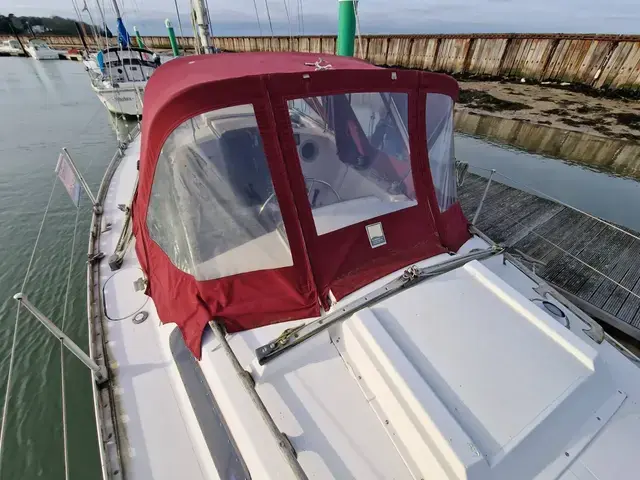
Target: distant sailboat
[[119, 74]]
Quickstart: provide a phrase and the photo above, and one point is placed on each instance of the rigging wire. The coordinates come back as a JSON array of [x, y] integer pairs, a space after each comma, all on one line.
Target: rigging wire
[[175, 2], [266, 4], [355, 13], [94, 32], [549, 197], [7, 394], [81, 24], [210, 27], [104, 22], [255, 7], [286, 10], [62, 347], [77, 10], [301, 10], [630, 292]]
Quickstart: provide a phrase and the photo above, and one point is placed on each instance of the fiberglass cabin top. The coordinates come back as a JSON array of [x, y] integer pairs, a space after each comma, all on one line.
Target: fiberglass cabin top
[[272, 185]]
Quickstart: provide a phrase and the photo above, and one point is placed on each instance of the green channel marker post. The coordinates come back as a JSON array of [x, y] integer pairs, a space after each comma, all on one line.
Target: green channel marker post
[[346, 27], [172, 38], [138, 37]]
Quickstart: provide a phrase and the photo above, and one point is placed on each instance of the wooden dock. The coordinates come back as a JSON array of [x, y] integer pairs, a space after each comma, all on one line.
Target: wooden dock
[[552, 233]]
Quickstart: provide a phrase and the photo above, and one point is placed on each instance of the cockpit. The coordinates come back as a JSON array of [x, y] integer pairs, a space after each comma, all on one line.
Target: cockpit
[[214, 209], [272, 185]]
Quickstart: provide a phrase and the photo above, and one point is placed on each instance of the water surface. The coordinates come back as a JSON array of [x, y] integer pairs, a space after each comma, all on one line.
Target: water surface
[[613, 198], [45, 106]]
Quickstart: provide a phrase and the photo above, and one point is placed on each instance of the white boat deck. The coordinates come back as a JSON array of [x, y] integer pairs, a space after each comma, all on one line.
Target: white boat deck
[[162, 439], [460, 377]]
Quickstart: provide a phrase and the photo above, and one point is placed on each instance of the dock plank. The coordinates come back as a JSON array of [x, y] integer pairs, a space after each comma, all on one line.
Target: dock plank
[[631, 307], [614, 296], [602, 255], [606, 294], [534, 225], [498, 204], [506, 219], [532, 215]]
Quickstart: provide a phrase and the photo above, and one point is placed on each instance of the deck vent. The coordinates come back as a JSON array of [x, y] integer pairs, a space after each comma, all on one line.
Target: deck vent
[[553, 310]]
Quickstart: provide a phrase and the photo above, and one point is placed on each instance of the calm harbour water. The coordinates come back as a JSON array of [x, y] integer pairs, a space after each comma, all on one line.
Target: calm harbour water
[[47, 105]]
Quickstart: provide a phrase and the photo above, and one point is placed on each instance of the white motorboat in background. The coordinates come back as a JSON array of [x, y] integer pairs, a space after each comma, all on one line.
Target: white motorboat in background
[[40, 50], [119, 76], [11, 48]]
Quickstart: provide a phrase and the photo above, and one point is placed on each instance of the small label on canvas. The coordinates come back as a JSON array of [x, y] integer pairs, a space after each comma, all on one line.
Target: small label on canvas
[[376, 235]]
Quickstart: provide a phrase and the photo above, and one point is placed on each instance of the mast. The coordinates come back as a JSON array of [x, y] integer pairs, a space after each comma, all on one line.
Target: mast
[[116, 8], [201, 20], [346, 27], [81, 33], [104, 24], [96, 37]]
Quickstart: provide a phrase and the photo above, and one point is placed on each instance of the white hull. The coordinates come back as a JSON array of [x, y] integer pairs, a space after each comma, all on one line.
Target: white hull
[[11, 47], [42, 54], [463, 364], [504, 396], [122, 101]]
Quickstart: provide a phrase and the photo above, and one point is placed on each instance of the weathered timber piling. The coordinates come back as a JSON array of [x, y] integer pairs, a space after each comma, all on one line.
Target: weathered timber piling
[[597, 61]]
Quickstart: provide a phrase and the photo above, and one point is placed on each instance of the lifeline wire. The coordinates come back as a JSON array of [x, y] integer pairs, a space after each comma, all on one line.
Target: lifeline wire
[[62, 348], [7, 394]]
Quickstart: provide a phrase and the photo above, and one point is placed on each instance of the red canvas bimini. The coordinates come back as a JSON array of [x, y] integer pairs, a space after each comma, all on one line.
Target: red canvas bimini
[[272, 184]]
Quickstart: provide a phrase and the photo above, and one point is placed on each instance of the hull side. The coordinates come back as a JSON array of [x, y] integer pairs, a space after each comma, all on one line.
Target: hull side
[[122, 101]]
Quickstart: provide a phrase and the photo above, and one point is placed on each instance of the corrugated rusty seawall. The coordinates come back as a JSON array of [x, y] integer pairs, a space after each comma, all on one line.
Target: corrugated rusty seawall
[[598, 61]]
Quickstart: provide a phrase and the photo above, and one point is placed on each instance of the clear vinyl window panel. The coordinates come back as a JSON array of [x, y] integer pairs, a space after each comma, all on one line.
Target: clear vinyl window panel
[[213, 210], [439, 116], [354, 154]]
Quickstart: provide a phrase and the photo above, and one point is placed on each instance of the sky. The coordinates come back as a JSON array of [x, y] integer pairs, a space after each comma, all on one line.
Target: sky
[[238, 17]]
